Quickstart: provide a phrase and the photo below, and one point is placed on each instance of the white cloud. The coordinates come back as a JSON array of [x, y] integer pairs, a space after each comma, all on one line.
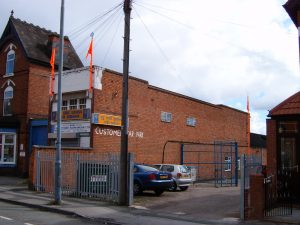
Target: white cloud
[[217, 51]]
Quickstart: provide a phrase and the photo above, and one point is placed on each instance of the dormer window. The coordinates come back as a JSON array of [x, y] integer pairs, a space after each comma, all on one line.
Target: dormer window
[[10, 62], [7, 103]]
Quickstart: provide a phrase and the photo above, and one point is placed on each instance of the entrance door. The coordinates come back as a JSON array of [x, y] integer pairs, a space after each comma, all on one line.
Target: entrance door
[[38, 133], [289, 160]]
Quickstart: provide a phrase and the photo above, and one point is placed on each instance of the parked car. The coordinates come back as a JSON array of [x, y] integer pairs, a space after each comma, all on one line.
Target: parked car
[[149, 178], [181, 175]]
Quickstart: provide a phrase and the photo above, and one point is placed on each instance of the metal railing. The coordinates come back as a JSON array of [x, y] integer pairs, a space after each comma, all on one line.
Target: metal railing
[[94, 175]]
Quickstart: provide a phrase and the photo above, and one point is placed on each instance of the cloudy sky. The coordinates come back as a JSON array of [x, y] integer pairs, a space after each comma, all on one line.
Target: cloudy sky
[[216, 51]]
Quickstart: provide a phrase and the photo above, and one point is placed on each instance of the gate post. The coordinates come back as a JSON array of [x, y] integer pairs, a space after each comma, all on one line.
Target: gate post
[[182, 154], [130, 177], [38, 171], [236, 163], [242, 186]]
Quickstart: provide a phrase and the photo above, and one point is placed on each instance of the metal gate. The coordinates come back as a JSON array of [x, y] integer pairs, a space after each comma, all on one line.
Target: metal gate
[[93, 175], [215, 163], [278, 194]]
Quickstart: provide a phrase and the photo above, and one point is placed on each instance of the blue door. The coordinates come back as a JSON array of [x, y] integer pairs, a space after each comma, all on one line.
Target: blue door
[[38, 133]]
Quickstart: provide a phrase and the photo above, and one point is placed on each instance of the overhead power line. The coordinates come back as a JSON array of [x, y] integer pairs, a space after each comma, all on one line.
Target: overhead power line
[[78, 30], [167, 17], [154, 40]]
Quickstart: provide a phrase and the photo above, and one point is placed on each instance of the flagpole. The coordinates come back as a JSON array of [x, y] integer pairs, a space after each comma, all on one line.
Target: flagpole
[[90, 52], [59, 101]]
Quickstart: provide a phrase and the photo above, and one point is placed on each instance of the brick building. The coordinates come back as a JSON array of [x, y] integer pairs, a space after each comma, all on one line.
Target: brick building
[[25, 52], [156, 116], [283, 127], [283, 140]]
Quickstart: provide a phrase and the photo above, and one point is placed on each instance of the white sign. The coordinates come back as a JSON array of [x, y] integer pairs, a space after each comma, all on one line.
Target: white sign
[[98, 178], [111, 132], [74, 127]]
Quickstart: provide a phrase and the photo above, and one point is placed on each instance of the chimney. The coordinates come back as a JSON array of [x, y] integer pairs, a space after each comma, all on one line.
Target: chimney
[[53, 42]]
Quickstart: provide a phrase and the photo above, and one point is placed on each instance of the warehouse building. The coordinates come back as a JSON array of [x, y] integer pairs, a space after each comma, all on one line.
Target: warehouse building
[[159, 120]]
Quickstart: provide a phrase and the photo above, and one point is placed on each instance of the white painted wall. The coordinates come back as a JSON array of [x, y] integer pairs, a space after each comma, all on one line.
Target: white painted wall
[[78, 79]]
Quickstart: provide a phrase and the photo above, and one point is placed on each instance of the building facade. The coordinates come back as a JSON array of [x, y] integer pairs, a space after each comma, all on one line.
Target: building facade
[[25, 52], [159, 120]]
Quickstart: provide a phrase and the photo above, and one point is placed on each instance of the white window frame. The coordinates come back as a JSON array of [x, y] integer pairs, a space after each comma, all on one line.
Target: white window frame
[[191, 121], [227, 163], [3, 134], [8, 89], [81, 103], [10, 63], [166, 117], [64, 105], [73, 106]]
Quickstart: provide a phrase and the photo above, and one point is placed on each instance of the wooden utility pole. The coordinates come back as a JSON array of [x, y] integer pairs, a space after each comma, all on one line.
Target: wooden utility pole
[[124, 180]]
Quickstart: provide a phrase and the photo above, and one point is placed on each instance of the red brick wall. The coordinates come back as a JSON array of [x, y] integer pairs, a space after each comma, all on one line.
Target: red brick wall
[[38, 91], [145, 106]]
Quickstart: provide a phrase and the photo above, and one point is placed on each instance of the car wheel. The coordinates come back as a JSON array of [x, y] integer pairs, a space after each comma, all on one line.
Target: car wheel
[[159, 192], [173, 187], [184, 188], [137, 188]]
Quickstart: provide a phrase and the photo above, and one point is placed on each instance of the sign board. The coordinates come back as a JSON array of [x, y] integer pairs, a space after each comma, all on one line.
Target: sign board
[[73, 127], [105, 119], [74, 114]]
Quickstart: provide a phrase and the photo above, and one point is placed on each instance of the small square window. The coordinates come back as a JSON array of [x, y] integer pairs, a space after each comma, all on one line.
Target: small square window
[[82, 103], [73, 104], [191, 121], [166, 117], [227, 163], [64, 105]]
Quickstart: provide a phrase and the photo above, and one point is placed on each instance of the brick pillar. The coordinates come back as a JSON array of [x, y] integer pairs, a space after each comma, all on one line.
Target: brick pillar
[[256, 197], [246, 204]]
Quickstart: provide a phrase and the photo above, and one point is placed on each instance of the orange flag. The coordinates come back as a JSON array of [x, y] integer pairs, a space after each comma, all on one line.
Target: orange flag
[[90, 52], [52, 63]]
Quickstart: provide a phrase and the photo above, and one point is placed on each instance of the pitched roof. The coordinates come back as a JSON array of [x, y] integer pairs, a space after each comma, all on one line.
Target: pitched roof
[[258, 140], [35, 42], [292, 6], [290, 106]]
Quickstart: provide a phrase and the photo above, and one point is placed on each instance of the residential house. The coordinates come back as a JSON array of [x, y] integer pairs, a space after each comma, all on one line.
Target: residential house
[[25, 51]]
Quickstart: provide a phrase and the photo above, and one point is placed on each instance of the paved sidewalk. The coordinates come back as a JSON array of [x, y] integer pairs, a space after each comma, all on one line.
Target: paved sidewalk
[[15, 191]]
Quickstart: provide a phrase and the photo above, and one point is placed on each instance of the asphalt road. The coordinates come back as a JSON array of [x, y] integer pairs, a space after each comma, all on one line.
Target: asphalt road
[[20, 215], [195, 203]]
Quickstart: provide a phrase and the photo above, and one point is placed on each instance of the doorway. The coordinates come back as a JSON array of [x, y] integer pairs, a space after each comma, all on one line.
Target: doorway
[[289, 155]]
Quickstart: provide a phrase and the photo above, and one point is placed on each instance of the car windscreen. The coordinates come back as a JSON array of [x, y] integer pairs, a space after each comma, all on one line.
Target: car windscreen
[[147, 168], [183, 169]]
